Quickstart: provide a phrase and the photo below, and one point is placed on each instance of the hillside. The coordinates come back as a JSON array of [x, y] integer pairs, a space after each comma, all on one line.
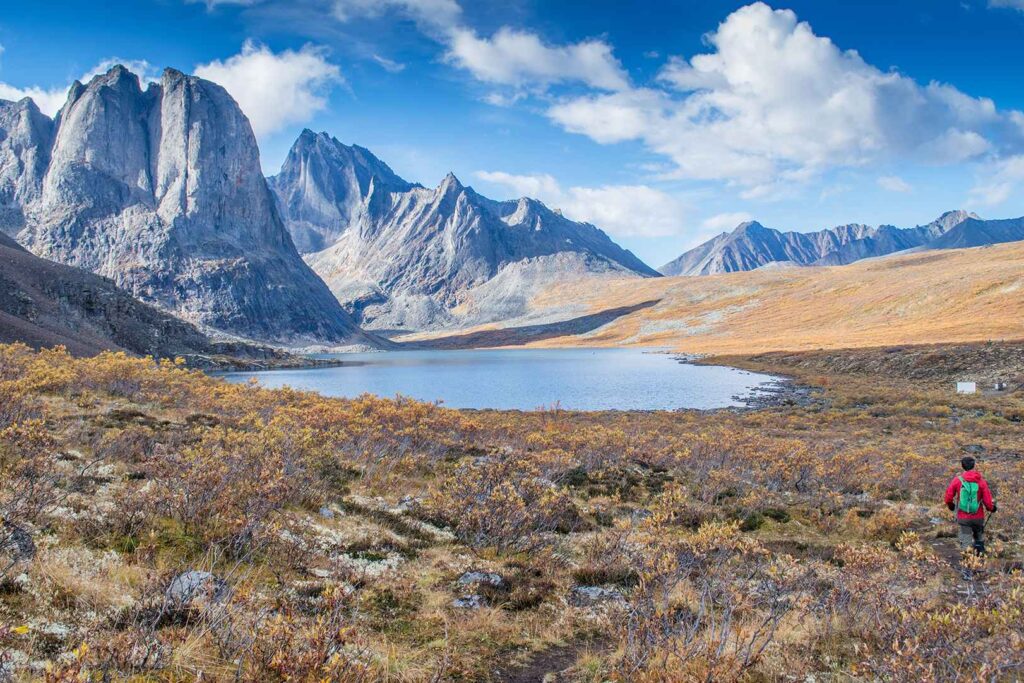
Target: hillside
[[45, 304], [921, 298], [163, 525]]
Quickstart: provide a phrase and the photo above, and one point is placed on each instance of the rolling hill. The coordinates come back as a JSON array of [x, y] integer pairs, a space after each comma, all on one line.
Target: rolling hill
[[937, 296]]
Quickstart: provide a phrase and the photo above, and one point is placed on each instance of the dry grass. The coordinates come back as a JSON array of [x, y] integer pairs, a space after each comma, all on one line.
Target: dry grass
[[933, 297]]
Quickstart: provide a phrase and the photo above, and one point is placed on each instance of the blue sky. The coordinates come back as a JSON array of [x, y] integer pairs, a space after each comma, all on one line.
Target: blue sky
[[663, 122]]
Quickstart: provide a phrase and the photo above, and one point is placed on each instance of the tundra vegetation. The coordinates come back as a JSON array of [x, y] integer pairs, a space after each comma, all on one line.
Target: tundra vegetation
[[160, 524]]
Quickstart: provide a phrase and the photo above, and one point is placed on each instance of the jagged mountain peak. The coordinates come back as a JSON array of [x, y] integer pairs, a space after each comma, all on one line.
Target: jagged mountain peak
[[162, 192], [401, 255], [751, 245]]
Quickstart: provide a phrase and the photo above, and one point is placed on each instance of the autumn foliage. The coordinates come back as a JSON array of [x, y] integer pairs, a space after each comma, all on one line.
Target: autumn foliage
[[672, 546]]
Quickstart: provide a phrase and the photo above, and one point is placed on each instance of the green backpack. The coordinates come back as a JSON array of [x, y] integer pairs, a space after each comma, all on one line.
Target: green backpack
[[968, 496]]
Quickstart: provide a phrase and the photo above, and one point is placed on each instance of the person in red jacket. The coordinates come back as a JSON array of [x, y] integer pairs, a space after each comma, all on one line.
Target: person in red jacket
[[977, 497]]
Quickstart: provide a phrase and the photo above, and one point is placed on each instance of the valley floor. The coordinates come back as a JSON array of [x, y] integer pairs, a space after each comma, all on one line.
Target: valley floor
[[942, 296], [159, 524]]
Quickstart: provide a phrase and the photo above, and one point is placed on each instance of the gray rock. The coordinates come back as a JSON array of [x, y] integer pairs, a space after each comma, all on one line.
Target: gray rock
[[399, 255], [161, 191], [469, 602], [588, 596], [16, 542], [327, 512], [196, 589], [26, 135], [751, 245], [474, 578]]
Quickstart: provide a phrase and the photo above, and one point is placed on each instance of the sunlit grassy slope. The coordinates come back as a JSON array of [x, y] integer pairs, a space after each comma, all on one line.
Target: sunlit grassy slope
[[928, 297]]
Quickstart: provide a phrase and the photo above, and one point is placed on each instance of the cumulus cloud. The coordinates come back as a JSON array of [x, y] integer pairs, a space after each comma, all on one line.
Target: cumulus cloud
[[620, 210], [51, 99], [275, 90], [999, 182], [772, 100], [520, 58], [894, 183]]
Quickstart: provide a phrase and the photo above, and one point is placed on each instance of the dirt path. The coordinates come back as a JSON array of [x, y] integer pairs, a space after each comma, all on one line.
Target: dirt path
[[550, 662]]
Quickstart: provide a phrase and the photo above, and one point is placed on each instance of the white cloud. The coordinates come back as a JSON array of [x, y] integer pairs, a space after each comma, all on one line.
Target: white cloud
[[724, 222], [520, 58], [50, 100], [1012, 4], [275, 90], [389, 65], [774, 102], [1001, 181], [440, 14], [620, 210], [894, 183]]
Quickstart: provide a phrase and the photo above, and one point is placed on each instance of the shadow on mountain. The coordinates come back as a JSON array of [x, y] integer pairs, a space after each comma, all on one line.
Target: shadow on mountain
[[517, 336]]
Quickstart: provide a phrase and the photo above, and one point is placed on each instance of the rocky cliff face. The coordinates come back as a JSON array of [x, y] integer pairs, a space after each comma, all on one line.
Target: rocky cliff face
[[46, 304], [400, 255], [26, 135], [751, 245], [161, 191]]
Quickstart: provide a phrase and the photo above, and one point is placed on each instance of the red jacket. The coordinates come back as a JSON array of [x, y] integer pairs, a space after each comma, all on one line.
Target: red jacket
[[953, 494]]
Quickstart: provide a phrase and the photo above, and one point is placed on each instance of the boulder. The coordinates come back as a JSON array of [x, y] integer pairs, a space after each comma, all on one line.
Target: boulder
[[196, 589], [588, 596]]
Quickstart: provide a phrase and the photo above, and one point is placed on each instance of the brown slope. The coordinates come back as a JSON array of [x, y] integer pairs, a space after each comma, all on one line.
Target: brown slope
[[45, 304], [963, 295]]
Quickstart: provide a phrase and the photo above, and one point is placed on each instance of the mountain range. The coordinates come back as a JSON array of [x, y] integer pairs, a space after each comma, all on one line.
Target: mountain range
[[161, 191], [399, 255], [751, 245]]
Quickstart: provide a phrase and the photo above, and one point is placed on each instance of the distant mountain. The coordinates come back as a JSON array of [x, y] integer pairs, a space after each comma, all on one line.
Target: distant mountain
[[751, 245], [161, 191], [974, 232], [399, 255], [45, 304]]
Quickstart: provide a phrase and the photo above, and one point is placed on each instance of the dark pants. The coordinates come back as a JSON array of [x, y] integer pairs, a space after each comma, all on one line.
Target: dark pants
[[972, 534]]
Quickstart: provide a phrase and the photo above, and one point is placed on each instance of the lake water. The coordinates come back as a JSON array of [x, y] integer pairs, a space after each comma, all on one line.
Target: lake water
[[525, 379]]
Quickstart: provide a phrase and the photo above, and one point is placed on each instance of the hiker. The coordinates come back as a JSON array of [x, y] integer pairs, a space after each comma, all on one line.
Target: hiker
[[970, 496]]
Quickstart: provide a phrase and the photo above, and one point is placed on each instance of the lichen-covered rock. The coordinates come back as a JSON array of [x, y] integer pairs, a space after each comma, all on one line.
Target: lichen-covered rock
[[469, 602], [196, 589], [473, 578], [588, 596], [161, 190], [15, 543]]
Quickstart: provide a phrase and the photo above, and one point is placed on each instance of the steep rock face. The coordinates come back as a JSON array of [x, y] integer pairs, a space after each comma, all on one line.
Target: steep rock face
[[322, 186], [751, 245], [26, 135], [44, 304], [161, 191], [412, 258]]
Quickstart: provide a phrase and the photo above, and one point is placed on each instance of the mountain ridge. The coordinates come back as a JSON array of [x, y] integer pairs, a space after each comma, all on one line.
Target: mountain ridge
[[161, 190], [404, 255], [751, 245]]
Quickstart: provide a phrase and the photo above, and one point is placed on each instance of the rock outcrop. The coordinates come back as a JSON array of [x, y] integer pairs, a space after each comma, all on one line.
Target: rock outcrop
[[752, 245], [161, 191], [46, 304], [26, 135], [400, 255]]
